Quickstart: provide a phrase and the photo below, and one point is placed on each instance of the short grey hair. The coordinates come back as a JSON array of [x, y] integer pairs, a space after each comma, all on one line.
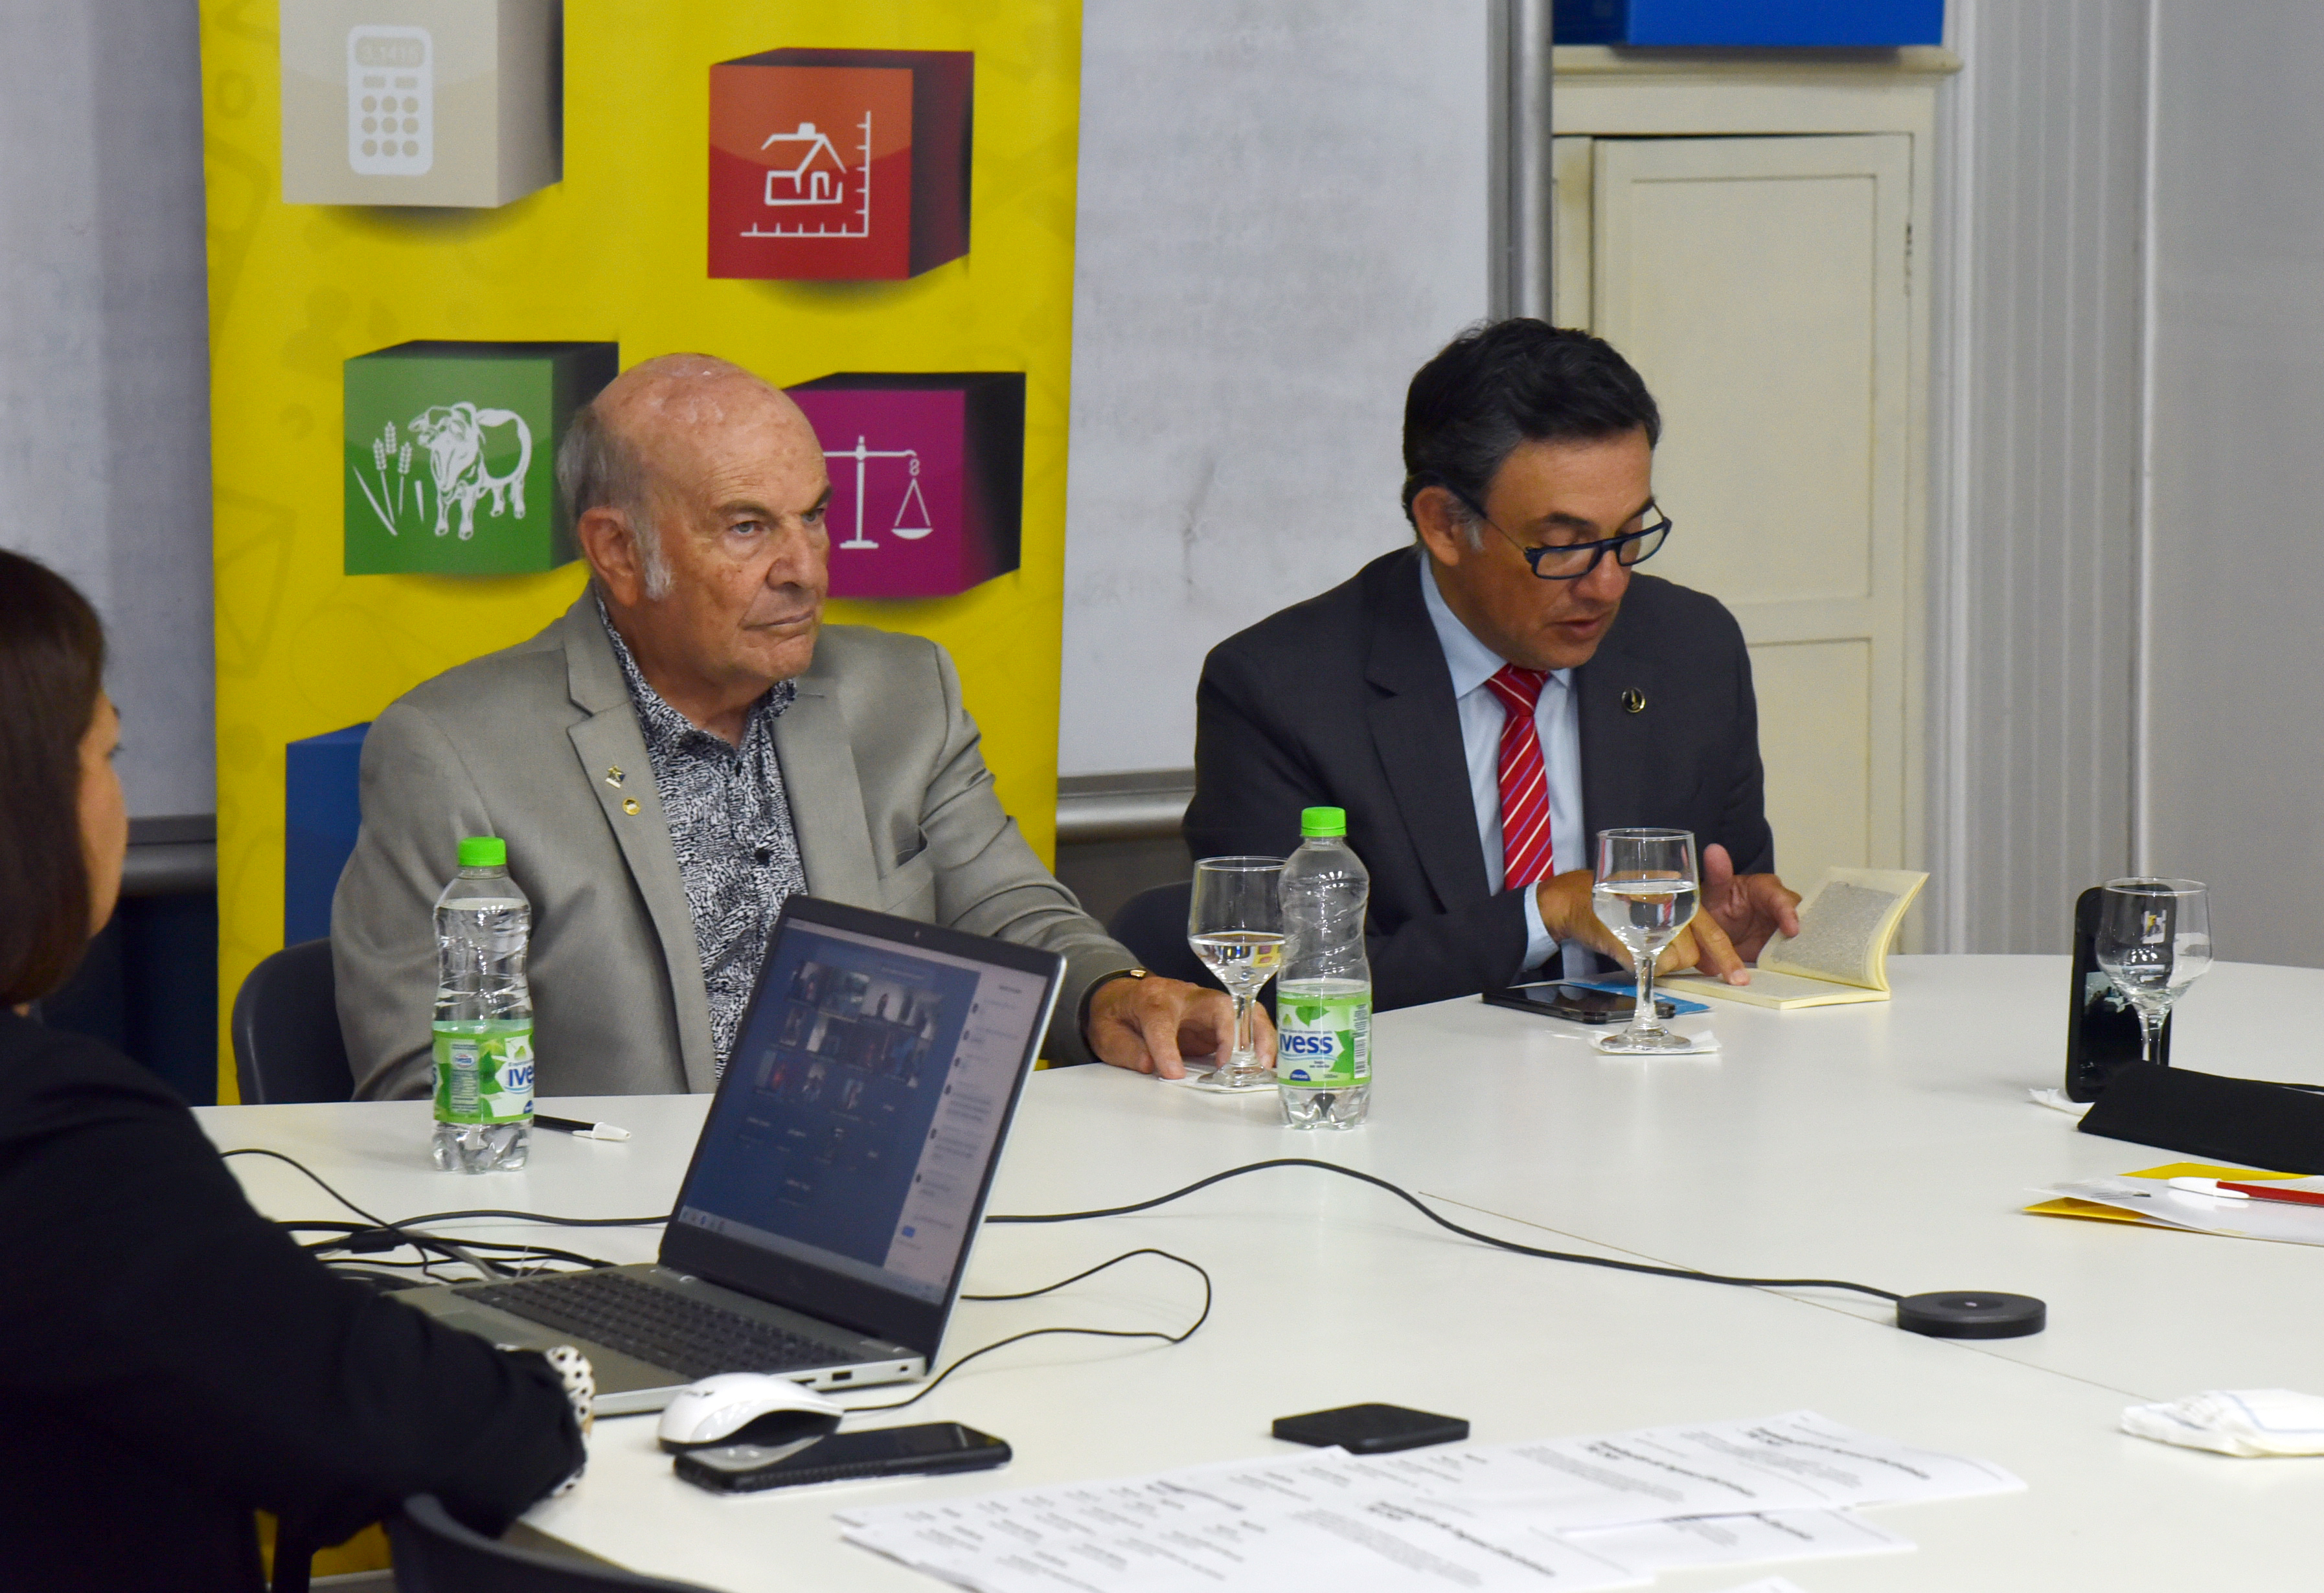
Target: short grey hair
[[596, 468]]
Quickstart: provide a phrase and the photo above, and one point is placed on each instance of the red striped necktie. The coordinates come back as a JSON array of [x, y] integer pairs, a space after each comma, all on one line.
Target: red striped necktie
[[1525, 850]]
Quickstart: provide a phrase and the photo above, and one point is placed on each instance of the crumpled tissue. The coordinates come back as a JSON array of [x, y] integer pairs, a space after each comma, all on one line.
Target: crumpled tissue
[[2055, 1100], [2236, 1422]]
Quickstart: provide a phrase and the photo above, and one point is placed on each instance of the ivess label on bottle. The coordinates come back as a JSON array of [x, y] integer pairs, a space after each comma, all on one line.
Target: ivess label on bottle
[[484, 1077], [1323, 1040]]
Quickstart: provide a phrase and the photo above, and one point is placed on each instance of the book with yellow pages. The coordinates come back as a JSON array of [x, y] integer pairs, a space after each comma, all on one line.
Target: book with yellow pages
[[1841, 955]]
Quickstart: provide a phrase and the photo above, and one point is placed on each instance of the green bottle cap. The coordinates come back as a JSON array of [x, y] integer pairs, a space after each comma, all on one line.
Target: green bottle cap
[[1322, 821], [483, 851]]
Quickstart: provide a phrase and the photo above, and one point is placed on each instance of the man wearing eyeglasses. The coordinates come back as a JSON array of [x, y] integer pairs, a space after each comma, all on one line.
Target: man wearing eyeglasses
[[1485, 701]]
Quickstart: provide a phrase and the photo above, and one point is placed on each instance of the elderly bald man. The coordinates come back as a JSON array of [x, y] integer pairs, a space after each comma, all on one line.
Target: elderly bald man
[[686, 747]]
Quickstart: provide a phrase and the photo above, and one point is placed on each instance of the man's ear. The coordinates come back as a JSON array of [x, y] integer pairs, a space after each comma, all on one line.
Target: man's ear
[[1443, 528], [609, 544]]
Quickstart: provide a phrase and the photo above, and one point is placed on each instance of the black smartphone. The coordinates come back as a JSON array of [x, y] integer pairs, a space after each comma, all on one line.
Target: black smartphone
[[1575, 1003], [879, 1452], [2102, 1031], [1371, 1429]]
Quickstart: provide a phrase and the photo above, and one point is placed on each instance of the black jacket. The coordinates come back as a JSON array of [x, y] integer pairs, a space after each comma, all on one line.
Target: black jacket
[[170, 1361], [1346, 701]]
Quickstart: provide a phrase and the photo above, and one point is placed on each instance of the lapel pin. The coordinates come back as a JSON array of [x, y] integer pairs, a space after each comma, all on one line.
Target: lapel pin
[[629, 806], [1634, 701], [615, 777]]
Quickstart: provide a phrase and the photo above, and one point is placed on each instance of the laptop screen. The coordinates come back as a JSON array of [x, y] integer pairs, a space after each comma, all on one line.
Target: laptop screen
[[862, 1107]]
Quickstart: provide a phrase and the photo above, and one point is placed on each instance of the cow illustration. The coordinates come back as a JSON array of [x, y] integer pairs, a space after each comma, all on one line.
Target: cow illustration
[[453, 435]]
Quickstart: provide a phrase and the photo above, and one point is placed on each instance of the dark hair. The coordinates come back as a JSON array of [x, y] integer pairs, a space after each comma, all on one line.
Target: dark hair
[[1501, 383], [51, 669]]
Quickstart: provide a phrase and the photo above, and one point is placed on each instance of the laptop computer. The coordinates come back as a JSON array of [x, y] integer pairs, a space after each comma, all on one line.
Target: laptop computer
[[824, 1221]]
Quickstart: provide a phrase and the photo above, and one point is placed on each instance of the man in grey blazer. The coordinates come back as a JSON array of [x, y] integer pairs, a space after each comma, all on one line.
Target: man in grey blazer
[[688, 745]]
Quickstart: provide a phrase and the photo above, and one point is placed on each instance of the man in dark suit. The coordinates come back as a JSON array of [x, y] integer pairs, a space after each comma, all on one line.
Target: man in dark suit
[[1484, 702]]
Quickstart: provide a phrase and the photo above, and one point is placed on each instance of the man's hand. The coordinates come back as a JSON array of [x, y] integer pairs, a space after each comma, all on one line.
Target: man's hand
[[1750, 907], [1703, 944], [1148, 1024]]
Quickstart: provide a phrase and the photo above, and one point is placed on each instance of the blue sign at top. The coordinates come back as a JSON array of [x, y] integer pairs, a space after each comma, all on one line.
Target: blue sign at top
[[1792, 24]]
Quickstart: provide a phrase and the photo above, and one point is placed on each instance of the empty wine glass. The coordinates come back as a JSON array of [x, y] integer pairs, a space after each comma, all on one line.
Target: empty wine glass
[[1235, 924], [1646, 892], [2154, 940]]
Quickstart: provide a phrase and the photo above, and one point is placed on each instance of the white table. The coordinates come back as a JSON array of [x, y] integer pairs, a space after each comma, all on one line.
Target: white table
[[1890, 1144]]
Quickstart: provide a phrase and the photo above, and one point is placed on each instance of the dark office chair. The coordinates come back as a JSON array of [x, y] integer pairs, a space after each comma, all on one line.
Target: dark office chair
[[1153, 925], [435, 1554], [287, 1045]]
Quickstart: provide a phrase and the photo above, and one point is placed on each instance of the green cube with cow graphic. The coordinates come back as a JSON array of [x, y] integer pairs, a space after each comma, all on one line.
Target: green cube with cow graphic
[[451, 451]]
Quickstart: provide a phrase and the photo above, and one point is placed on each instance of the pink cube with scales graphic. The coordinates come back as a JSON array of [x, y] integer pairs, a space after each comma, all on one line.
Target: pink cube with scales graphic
[[927, 478]]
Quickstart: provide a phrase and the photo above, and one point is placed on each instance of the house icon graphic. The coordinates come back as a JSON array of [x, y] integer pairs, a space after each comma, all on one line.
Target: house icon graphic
[[818, 176]]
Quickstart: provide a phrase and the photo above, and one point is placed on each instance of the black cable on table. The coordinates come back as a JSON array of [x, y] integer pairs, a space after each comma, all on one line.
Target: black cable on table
[[1446, 1222], [930, 1385], [356, 1240]]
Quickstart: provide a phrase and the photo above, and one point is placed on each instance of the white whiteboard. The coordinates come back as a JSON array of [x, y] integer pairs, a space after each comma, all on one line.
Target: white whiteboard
[[1282, 214]]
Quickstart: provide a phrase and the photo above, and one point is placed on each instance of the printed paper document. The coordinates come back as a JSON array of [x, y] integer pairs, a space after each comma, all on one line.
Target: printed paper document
[[1565, 1514]]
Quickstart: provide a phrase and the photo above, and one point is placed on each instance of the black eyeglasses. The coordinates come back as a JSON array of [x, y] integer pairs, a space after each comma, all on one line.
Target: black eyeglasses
[[1576, 560]]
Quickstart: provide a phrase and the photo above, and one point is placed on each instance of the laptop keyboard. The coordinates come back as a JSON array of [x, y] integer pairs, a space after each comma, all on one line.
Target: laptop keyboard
[[691, 1337]]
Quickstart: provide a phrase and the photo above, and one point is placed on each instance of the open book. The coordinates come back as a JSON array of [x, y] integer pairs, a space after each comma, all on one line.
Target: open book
[[1841, 953]]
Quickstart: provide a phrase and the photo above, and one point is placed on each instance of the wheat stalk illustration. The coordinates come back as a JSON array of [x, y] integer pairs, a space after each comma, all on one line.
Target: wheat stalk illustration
[[377, 500]]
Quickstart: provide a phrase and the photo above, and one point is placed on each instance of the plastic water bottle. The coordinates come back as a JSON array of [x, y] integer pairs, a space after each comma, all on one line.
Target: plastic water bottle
[[1323, 997], [483, 1014]]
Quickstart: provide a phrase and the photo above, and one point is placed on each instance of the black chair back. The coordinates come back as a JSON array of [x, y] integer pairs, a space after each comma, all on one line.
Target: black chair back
[[435, 1553], [1153, 925], [287, 1045]]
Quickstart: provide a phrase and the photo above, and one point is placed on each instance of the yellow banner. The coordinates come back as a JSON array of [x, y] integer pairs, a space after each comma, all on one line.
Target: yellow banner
[[615, 251]]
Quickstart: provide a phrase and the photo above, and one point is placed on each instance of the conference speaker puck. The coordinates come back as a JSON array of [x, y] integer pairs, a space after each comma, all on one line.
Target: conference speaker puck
[[1967, 1315]]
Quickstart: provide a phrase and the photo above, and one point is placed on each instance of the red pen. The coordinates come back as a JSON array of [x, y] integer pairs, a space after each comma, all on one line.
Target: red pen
[[2269, 1192]]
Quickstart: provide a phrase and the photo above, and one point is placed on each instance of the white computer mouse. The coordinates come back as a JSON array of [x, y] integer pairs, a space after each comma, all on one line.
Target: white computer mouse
[[746, 1407]]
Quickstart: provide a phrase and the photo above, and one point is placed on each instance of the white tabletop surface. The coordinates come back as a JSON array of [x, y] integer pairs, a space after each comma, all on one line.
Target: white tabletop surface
[[1890, 1144]]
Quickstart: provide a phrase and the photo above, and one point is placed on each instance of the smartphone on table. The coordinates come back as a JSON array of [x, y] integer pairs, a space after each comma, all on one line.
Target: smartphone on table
[[1582, 1003], [2102, 1031], [879, 1452]]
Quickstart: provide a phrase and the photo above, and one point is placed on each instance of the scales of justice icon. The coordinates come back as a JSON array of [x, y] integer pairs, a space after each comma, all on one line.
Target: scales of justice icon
[[912, 520]]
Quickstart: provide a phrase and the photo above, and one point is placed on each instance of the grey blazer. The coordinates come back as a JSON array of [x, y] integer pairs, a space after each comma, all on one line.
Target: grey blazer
[[539, 745]]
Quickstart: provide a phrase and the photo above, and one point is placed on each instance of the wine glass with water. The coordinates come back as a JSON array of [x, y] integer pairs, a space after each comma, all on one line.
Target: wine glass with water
[[2154, 941], [1235, 924], [1645, 892]]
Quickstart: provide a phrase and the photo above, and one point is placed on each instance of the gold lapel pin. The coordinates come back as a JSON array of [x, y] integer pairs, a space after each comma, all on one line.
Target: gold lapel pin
[[615, 777], [629, 806], [1634, 701]]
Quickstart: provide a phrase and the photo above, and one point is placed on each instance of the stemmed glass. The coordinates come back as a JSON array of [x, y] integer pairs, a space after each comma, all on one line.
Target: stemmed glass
[[2154, 940], [1235, 924], [1646, 892]]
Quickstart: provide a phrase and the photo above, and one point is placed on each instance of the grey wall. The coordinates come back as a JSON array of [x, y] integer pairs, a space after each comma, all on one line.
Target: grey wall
[[1282, 214], [2236, 598], [103, 356], [2034, 512]]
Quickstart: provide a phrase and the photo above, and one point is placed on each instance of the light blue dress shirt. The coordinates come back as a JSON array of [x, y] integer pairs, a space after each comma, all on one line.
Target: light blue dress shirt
[[1558, 722]]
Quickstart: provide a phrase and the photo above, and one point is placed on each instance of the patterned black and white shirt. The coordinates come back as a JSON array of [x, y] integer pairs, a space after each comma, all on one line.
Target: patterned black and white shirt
[[730, 823]]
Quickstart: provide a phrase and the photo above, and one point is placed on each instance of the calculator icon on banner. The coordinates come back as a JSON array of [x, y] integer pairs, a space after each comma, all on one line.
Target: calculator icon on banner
[[390, 101]]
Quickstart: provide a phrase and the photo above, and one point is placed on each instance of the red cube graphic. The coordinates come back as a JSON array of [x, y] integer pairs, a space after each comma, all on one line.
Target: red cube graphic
[[927, 478], [839, 165]]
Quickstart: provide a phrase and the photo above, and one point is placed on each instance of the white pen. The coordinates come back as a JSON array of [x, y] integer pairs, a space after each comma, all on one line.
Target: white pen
[[2208, 1186], [579, 1130]]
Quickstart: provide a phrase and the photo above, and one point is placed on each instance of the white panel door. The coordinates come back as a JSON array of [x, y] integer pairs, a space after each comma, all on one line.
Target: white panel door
[[1760, 286]]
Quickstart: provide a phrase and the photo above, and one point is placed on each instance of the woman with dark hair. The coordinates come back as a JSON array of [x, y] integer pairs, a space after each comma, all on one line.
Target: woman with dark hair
[[170, 1360]]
